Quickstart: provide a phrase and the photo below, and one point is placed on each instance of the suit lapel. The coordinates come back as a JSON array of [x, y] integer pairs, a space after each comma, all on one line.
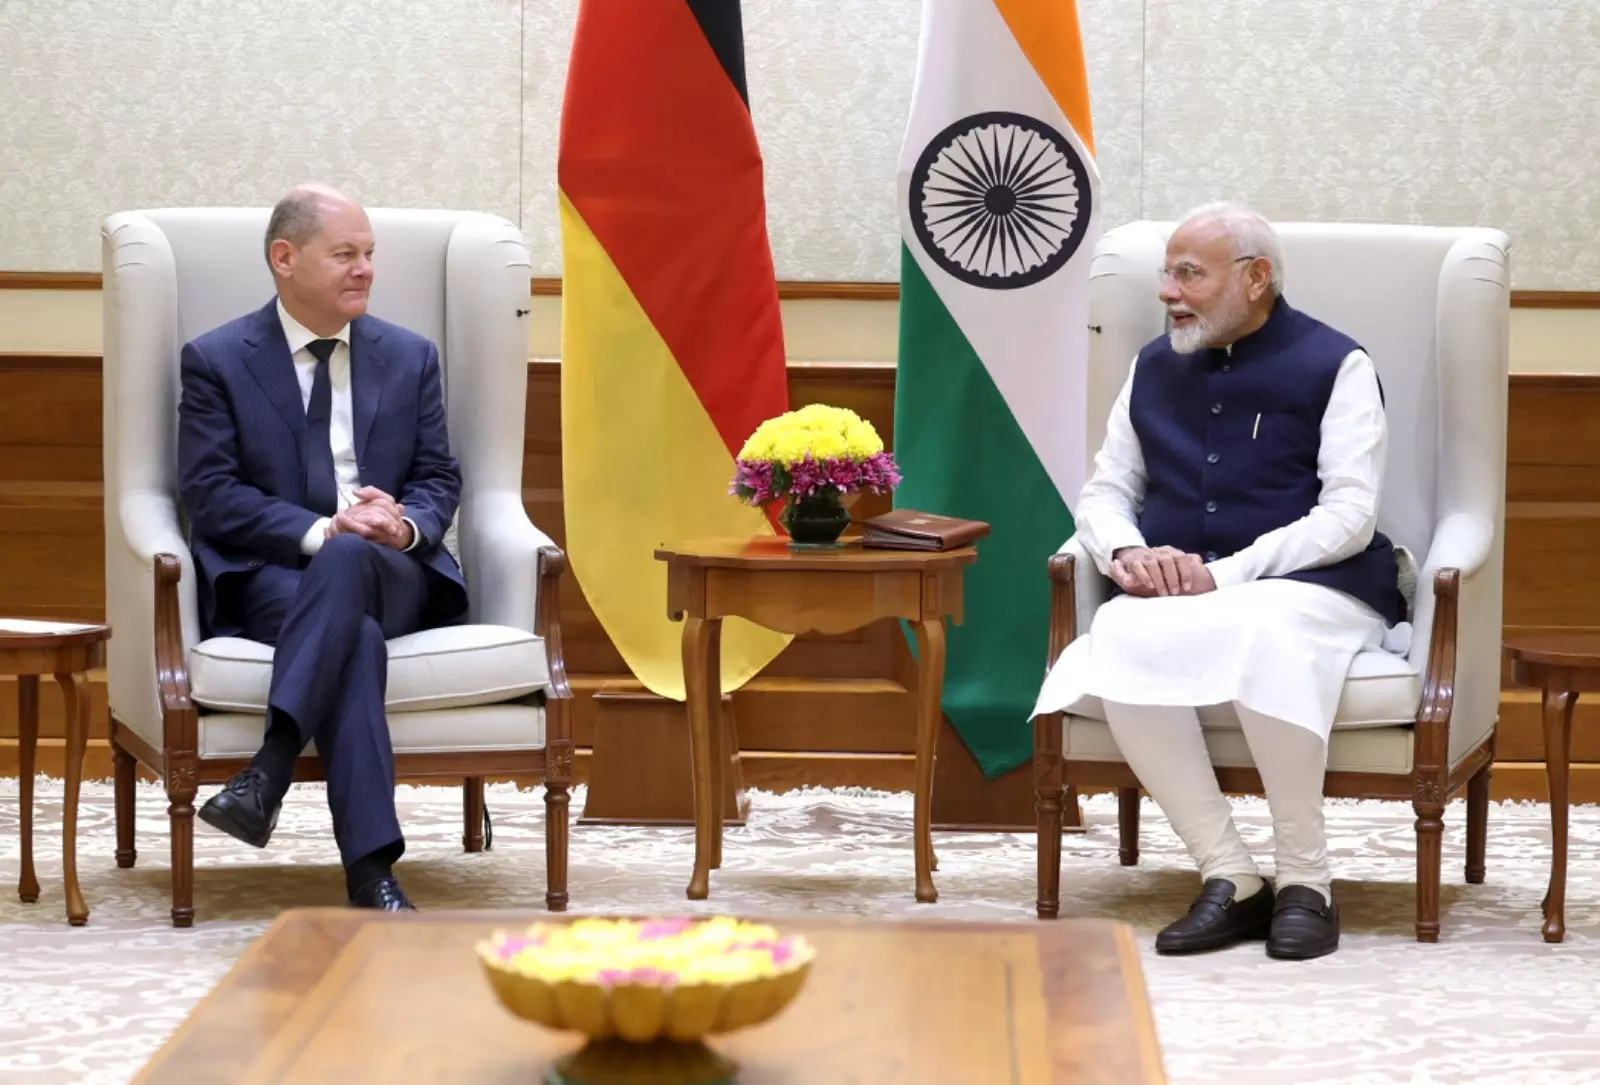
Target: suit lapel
[[272, 366], [366, 381]]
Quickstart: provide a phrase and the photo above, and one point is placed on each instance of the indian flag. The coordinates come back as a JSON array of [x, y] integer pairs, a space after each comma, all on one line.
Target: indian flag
[[999, 214], [671, 347]]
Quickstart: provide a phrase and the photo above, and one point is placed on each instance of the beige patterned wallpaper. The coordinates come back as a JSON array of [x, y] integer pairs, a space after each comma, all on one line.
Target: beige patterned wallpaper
[[1450, 111]]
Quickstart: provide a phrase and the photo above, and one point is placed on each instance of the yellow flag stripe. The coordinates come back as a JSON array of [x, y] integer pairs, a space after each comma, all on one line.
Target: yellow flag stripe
[[1047, 32], [642, 466]]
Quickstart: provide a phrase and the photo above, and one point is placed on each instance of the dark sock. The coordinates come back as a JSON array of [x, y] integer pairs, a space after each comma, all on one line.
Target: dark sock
[[277, 755], [369, 868]]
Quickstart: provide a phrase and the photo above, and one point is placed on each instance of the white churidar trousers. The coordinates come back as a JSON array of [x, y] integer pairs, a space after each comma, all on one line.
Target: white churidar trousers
[[1164, 747], [1278, 651]]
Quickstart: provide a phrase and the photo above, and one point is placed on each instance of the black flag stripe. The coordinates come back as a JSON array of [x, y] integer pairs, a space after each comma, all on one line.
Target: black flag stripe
[[720, 21]]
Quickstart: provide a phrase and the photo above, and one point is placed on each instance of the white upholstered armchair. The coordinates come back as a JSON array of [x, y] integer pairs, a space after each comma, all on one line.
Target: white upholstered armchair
[[1431, 306], [487, 698]]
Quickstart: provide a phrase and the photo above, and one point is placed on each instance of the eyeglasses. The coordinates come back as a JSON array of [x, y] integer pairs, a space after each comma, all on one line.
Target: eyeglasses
[[1189, 274]]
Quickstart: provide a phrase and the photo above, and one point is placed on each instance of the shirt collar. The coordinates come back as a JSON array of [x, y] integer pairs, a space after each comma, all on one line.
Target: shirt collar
[[299, 335]]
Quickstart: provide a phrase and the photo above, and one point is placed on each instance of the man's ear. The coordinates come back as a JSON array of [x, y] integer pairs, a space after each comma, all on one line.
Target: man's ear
[[280, 255], [1258, 276]]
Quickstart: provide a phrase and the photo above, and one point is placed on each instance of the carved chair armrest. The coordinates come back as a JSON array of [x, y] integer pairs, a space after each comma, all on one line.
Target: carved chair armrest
[[547, 619], [181, 725], [1063, 572], [1432, 742]]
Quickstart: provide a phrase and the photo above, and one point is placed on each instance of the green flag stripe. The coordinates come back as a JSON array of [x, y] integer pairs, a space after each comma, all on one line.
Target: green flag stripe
[[963, 454]]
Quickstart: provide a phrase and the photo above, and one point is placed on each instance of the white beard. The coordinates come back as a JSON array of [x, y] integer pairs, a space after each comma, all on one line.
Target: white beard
[[1188, 338], [1230, 312]]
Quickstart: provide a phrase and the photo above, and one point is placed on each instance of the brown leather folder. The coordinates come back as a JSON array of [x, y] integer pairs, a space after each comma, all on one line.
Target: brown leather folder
[[908, 529]]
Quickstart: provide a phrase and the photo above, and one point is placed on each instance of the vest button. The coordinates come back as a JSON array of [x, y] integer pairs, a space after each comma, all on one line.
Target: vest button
[[1211, 555], [1227, 369], [1213, 458], [1211, 506], [1216, 408]]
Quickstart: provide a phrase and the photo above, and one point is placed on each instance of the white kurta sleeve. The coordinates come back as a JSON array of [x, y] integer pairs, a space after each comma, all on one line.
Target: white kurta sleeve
[[1350, 464], [1107, 514]]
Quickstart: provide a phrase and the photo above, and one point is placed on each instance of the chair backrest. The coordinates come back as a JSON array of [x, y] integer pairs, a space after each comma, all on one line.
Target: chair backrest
[[1429, 304], [459, 278]]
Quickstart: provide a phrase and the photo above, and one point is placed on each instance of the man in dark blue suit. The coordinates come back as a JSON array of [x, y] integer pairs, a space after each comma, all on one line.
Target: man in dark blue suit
[[315, 468]]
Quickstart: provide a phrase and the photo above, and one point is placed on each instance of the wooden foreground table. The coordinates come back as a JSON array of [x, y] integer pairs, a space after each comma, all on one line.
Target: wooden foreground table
[[343, 996]]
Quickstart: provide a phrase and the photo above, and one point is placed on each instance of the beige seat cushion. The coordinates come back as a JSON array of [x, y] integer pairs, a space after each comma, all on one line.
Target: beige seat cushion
[[1362, 749], [1381, 690], [455, 667]]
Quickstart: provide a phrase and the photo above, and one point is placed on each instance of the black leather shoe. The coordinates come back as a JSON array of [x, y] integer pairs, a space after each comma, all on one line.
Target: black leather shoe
[[240, 809], [385, 895], [1304, 925], [1216, 920]]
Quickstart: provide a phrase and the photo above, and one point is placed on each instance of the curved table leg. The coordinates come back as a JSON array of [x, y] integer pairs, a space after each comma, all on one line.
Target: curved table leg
[[930, 686], [1557, 747], [75, 693], [27, 745], [719, 736], [699, 636]]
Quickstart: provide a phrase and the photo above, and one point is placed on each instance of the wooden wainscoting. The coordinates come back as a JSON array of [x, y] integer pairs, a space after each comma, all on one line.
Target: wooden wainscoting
[[850, 720]]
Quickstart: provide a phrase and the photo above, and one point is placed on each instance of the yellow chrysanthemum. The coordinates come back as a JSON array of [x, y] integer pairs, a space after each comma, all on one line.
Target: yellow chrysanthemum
[[816, 429]]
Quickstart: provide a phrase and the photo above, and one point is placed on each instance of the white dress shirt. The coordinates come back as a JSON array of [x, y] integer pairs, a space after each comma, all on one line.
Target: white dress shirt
[[341, 420], [1350, 462]]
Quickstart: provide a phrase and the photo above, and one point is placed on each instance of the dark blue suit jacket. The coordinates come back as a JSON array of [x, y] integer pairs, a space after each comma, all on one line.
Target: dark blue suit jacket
[[241, 473]]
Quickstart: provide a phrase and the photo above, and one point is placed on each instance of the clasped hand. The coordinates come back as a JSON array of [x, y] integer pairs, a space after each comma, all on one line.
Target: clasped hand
[[376, 517], [1162, 570]]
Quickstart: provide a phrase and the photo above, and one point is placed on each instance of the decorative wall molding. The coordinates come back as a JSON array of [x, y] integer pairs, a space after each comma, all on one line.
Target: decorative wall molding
[[49, 280], [788, 289]]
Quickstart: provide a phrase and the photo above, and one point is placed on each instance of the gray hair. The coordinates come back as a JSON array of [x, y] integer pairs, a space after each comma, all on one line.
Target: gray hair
[[296, 219], [1251, 234]]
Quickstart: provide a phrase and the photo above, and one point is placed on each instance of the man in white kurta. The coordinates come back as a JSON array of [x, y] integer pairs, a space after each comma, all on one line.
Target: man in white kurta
[[1234, 504]]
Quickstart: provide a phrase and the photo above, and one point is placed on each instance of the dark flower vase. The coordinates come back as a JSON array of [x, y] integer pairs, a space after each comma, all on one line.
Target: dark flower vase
[[815, 520]]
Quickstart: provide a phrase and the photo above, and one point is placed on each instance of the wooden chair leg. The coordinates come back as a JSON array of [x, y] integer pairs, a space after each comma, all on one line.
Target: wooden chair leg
[[1477, 824], [123, 794], [557, 800], [1048, 786], [1430, 839], [182, 783], [1128, 825], [472, 813]]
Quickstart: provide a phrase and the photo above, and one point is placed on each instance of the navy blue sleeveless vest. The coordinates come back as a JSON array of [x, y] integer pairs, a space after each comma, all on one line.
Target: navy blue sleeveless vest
[[1217, 477]]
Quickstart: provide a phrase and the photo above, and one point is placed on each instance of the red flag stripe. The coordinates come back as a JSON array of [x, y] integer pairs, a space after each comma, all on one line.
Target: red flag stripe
[[659, 156]]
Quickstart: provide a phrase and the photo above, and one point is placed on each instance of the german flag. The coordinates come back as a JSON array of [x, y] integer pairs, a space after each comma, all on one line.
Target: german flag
[[671, 345]]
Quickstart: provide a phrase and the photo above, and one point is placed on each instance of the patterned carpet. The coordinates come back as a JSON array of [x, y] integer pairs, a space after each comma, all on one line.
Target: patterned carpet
[[1491, 1003]]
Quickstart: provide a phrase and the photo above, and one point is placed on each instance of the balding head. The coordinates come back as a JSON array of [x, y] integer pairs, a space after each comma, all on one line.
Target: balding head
[[1248, 232], [319, 246], [297, 217]]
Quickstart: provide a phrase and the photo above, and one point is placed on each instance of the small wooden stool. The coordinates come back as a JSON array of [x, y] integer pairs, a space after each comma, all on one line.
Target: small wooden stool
[[29, 649], [1561, 667]]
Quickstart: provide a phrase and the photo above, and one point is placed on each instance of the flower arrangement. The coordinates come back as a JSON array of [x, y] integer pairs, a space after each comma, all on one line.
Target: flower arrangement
[[816, 450], [650, 981], [658, 952]]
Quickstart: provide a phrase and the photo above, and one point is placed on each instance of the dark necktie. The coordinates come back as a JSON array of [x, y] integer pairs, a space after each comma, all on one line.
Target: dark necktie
[[322, 489]]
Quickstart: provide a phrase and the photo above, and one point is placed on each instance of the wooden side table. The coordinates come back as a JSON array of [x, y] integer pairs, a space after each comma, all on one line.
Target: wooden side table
[[1561, 667], [804, 591], [28, 650]]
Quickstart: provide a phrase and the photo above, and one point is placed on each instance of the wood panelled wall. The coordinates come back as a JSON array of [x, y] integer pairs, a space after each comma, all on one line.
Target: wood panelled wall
[[851, 721]]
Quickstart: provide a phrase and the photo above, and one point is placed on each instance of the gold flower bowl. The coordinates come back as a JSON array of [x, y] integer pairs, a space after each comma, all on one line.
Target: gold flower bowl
[[638, 1022]]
